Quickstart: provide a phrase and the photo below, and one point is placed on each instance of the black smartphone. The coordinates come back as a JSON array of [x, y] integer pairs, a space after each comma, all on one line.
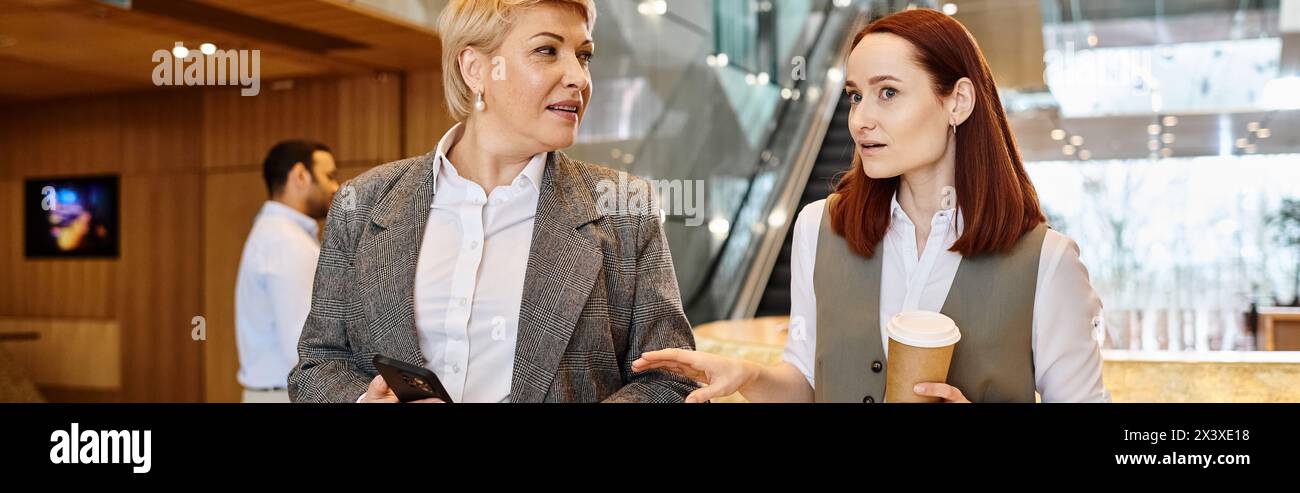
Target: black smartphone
[[410, 382]]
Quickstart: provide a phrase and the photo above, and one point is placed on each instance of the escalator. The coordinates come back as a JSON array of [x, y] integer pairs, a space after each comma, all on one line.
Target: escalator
[[745, 108], [836, 156]]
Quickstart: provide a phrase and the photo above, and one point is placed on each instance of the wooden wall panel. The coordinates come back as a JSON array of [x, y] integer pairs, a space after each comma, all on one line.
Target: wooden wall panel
[[359, 117], [69, 352], [148, 139], [238, 130], [190, 162], [161, 281], [426, 114], [233, 201], [370, 122]]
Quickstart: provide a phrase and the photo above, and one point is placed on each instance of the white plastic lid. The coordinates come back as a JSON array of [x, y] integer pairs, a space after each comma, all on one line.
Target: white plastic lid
[[923, 329]]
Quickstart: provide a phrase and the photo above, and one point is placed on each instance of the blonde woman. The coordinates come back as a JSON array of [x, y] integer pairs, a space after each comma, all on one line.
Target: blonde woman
[[487, 260]]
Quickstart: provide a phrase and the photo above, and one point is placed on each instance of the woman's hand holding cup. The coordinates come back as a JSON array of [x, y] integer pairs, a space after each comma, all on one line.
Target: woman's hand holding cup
[[948, 393]]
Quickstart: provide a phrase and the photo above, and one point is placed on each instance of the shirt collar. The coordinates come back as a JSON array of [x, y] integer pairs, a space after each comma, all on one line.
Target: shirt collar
[[532, 172], [896, 209], [941, 217], [302, 220]]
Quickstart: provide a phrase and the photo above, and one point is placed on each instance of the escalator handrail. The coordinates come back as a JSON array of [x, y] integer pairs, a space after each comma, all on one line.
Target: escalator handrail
[[788, 196]]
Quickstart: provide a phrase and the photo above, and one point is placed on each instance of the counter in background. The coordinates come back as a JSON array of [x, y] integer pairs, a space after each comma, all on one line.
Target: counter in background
[[1130, 376]]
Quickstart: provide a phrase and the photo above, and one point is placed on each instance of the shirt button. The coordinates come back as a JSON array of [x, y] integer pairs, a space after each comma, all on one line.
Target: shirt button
[[473, 245], [876, 366], [868, 400], [455, 368], [460, 302]]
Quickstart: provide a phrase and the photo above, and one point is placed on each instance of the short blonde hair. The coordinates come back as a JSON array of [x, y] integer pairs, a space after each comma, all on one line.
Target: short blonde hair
[[482, 25]]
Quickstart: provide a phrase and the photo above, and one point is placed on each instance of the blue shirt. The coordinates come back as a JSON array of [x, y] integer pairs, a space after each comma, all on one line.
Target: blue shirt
[[273, 294]]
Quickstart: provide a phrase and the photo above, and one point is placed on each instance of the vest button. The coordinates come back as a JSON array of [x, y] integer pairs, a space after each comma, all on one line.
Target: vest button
[[868, 400], [876, 366]]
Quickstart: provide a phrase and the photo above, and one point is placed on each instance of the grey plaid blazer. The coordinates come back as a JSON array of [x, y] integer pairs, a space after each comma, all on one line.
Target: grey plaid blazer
[[599, 290]]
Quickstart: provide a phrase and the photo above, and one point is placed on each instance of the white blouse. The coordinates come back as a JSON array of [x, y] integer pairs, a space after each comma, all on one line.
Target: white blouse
[[469, 280], [1067, 321]]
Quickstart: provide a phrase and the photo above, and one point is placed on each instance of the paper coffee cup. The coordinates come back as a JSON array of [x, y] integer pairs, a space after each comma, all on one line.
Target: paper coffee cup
[[920, 350]]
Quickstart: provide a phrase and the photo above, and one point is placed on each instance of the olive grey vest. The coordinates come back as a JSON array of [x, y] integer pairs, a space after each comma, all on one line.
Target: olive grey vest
[[991, 300]]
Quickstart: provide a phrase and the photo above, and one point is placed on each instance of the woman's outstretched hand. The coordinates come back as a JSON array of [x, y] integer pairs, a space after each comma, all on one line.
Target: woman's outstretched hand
[[721, 376]]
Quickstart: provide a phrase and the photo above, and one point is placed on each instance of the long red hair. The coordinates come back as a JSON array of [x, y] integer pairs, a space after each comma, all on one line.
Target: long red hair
[[996, 199]]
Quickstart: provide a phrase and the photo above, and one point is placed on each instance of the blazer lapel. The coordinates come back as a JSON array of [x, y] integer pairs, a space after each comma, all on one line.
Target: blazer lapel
[[564, 261], [389, 259]]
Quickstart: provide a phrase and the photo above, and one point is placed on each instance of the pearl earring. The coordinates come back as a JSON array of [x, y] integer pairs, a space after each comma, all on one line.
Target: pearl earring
[[478, 102]]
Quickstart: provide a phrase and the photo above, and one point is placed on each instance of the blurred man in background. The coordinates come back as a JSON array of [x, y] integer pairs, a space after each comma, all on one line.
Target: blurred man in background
[[273, 290]]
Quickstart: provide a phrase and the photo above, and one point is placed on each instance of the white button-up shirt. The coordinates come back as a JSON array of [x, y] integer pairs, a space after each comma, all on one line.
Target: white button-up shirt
[[273, 294], [470, 278], [1067, 317]]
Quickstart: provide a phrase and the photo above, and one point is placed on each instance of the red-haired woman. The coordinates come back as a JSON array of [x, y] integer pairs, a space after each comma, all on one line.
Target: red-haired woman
[[936, 214]]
